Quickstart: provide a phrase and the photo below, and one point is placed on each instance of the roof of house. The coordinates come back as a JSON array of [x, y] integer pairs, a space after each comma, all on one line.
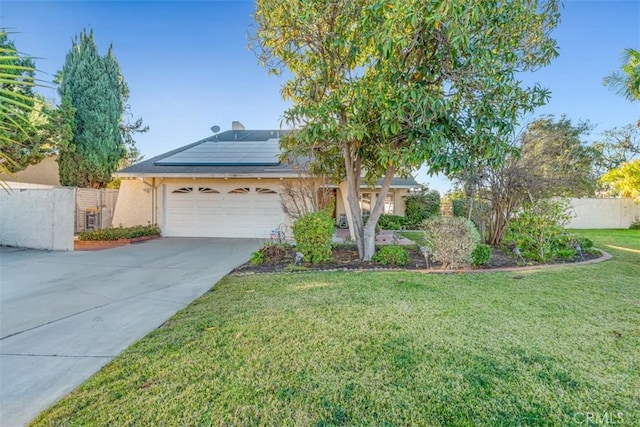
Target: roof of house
[[229, 154]]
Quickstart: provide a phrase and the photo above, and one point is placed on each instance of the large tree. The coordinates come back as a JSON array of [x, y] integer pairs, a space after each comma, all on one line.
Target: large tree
[[380, 87], [94, 86], [550, 158], [624, 180], [626, 82]]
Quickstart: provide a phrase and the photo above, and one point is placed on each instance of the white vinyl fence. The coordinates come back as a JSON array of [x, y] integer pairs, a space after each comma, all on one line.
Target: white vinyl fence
[[603, 213]]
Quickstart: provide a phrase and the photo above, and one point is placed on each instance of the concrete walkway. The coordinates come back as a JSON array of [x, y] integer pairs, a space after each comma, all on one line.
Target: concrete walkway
[[64, 315]]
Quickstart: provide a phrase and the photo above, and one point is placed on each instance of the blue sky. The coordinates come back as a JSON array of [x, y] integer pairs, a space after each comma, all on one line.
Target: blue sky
[[188, 66]]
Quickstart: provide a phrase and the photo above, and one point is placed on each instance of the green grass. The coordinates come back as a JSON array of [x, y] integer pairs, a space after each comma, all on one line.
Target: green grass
[[525, 348], [416, 236]]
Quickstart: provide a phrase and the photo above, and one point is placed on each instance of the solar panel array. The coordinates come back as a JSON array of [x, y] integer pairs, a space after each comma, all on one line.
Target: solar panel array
[[227, 153]]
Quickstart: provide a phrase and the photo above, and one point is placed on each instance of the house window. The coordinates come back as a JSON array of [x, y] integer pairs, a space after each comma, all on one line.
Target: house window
[[183, 190], [365, 203], [241, 190], [261, 190], [207, 190], [389, 207]]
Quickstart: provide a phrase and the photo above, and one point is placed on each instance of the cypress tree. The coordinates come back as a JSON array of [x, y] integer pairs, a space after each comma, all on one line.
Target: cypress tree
[[95, 88]]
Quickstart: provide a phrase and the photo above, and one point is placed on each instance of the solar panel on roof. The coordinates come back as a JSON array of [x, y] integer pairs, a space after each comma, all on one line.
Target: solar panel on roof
[[226, 153]]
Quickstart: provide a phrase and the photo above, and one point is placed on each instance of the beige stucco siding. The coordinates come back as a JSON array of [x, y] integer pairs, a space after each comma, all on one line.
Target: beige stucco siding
[[135, 203], [44, 173], [143, 202]]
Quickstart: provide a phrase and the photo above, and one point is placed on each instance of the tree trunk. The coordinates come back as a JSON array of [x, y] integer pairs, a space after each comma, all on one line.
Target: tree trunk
[[372, 222], [364, 234]]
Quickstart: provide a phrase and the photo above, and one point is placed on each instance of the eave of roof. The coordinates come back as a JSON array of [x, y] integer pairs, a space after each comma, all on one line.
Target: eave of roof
[[150, 169]]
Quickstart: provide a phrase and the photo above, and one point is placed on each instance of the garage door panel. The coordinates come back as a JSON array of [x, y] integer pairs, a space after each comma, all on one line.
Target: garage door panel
[[212, 211]]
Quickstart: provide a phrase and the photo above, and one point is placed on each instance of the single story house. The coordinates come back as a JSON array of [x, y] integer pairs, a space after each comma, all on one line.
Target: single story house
[[226, 185]]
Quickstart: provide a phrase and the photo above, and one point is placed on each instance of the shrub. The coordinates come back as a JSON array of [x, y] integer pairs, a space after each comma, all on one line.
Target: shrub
[[391, 255], [635, 225], [537, 231], [481, 255], [257, 257], [391, 222], [312, 233], [121, 233], [459, 207], [451, 239], [269, 253], [420, 206]]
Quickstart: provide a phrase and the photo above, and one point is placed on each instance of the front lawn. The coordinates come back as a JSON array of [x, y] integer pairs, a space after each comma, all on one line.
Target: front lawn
[[551, 347]]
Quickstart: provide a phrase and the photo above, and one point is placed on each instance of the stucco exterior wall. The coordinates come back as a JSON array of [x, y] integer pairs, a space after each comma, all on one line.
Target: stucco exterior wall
[[399, 204], [603, 213], [140, 203], [134, 205], [44, 173], [38, 218]]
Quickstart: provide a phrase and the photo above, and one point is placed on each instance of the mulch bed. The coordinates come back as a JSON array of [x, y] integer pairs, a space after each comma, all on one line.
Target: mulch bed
[[346, 258], [97, 245]]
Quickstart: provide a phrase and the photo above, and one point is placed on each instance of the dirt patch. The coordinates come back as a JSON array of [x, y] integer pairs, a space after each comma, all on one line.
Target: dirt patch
[[346, 258]]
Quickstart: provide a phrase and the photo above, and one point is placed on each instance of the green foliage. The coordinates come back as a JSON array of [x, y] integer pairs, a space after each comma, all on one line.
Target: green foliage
[[391, 255], [257, 257], [481, 255], [269, 253], [366, 99], [625, 180], [95, 88], [121, 233], [451, 239], [538, 230], [391, 222], [420, 206], [556, 158], [635, 225], [550, 158], [30, 129], [627, 81], [313, 233], [459, 207]]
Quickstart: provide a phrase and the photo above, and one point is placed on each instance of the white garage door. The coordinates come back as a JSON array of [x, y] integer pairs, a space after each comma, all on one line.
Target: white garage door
[[209, 210]]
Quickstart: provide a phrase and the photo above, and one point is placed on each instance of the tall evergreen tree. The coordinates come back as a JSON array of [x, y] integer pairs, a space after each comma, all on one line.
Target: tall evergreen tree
[[95, 87]]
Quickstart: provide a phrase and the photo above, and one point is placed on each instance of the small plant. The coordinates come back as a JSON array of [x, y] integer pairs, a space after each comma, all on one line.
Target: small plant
[[269, 253], [566, 253], [391, 255], [391, 222], [481, 255], [312, 233], [635, 225], [110, 234], [452, 240], [538, 231], [257, 258]]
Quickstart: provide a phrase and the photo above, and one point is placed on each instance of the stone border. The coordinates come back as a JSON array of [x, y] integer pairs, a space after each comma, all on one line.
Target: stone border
[[98, 245], [604, 257]]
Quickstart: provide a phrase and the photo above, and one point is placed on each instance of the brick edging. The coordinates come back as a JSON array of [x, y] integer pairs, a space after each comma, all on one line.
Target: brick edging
[[96, 245]]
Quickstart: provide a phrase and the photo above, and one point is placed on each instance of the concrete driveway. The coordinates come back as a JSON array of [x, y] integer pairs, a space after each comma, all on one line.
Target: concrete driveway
[[64, 315]]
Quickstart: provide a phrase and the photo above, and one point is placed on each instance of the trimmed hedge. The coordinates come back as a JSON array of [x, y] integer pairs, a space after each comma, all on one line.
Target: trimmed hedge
[[110, 234]]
